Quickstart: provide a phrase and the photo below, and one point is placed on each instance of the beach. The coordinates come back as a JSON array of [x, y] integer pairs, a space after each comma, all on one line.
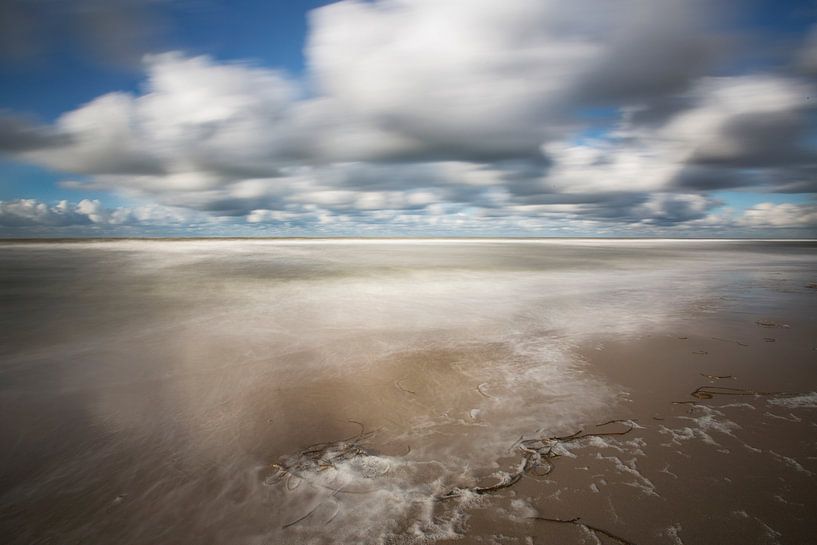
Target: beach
[[496, 391]]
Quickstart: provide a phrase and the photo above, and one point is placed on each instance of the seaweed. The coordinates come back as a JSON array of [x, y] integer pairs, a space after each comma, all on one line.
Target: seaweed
[[403, 389], [595, 530], [715, 377], [771, 323], [739, 343], [537, 454], [296, 521], [708, 392], [483, 394], [319, 457]]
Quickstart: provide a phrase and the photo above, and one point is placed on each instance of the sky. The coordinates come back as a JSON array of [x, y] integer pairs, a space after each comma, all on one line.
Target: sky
[[626, 118]]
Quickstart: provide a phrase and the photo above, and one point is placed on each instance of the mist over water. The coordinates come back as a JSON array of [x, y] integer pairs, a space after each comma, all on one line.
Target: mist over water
[[147, 386]]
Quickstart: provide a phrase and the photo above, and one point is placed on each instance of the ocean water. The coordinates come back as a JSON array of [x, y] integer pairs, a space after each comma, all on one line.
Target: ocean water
[[149, 388]]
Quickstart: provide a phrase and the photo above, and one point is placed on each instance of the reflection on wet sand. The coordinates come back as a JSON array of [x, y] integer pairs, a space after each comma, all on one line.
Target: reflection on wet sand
[[404, 391]]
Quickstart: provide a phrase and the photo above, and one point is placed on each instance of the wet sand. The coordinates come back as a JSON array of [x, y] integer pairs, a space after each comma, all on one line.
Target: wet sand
[[169, 392]]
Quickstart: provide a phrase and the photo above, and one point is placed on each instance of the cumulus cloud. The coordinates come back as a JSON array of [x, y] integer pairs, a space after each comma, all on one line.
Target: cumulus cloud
[[779, 215], [448, 113], [481, 80], [216, 121], [23, 213], [27, 212], [757, 120]]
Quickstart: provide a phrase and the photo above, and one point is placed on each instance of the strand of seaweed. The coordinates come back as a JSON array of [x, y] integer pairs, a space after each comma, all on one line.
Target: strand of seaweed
[[709, 392], [537, 454], [595, 530], [319, 457]]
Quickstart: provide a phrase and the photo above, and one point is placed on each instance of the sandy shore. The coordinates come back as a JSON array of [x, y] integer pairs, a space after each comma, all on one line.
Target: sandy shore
[[398, 392]]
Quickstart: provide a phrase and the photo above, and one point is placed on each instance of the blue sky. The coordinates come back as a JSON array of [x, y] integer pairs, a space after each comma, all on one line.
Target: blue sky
[[399, 116]]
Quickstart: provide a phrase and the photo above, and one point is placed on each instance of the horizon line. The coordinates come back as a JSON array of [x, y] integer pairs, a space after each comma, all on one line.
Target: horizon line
[[430, 237]]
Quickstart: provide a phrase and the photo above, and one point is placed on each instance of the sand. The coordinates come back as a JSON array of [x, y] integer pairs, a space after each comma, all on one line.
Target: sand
[[162, 391]]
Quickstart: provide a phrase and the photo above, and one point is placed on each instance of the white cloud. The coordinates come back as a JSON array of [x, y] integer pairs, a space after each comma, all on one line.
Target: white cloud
[[490, 79], [86, 212], [723, 100], [636, 157], [779, 215], [271, 216], [196, 118], [33, 212]]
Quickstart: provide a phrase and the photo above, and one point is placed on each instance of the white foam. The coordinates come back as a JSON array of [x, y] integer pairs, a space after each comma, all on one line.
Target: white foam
[[673, 533], [790, 418], [805, 401], [667, 471], [630, 467], [791, 462]]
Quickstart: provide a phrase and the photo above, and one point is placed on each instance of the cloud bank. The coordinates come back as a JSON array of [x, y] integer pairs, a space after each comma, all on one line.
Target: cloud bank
[[459, 116], [23, 213]]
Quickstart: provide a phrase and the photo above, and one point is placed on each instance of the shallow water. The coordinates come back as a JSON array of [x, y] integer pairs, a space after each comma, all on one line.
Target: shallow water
[[147, 387]]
